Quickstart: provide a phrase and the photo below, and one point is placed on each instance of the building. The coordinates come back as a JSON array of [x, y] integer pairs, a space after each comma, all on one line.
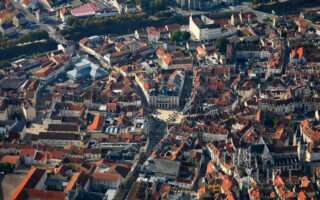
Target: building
[[19, 19], [34, 180], [105, 181], [49, 72], [204, 30], [42, 15], [85, 10], [28, 156], [86, 69], [14, 161], [162, 168], [162, 90], [195, 4], [29, 111], [64, 14], [153, 36], [130, 8], [7, 29], [117, 57], [60, 139]]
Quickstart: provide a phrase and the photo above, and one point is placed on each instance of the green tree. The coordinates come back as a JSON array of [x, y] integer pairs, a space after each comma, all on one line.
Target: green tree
[[251, 62], [230, 121], [176, 35], [313, 18], [186, 36], [293, 124], [221, 44], [159, 5], [275, 122], [239, 33]]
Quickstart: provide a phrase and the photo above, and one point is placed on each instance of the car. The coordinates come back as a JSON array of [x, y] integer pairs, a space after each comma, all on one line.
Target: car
[[2, 173]]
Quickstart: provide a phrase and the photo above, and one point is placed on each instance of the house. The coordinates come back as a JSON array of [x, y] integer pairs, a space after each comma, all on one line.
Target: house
[[28, 155], [304, 55], [153, 36], [14, 161], [105, 181], [117, 57], [30, 4], [97, 124], [7, 29], [42, 15], [130, 8], [12, 128], [19, 19], [29, 111], [318, 31], [64, 14], [4, 109], [141, 34]]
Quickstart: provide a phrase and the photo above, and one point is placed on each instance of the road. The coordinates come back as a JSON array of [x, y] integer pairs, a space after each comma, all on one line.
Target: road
[[243, 7], [46, 27]]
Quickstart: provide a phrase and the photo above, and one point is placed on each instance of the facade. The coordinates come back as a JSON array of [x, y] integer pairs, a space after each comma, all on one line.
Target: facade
[[202, 30], [60, 139], [105, 181], [164, 93]]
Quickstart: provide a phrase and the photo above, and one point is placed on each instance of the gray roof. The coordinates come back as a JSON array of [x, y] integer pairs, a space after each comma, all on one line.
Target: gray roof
[[13, 125], [77, 195], [13, 83], [162, 166]]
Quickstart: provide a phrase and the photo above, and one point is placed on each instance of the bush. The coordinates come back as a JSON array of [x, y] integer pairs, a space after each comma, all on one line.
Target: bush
[[222, 43], [176, 35], [28, 37], [27, 50]]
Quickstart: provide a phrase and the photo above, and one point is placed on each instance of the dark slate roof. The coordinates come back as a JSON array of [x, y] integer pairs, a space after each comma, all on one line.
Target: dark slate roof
[[58, 136], [10, 83], [78, 195]]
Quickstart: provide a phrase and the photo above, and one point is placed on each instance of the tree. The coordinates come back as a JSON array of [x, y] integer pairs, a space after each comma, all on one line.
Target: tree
[[239, 33], [313, 18], [230, 121], [275, 122], [176, 35], [221, 44], [293, 124], [186, 36], [159, 5], [251, 62]]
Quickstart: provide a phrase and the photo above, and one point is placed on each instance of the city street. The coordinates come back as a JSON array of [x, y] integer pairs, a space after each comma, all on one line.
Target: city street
[[46, 27]]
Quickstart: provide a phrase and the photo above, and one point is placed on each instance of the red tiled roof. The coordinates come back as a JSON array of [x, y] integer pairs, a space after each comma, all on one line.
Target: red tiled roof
[[42, 194], [72, 182], [9, 159], [85, 10], [30, 181], [106, 176], [27, 152], [96, 124], [172, 27]]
